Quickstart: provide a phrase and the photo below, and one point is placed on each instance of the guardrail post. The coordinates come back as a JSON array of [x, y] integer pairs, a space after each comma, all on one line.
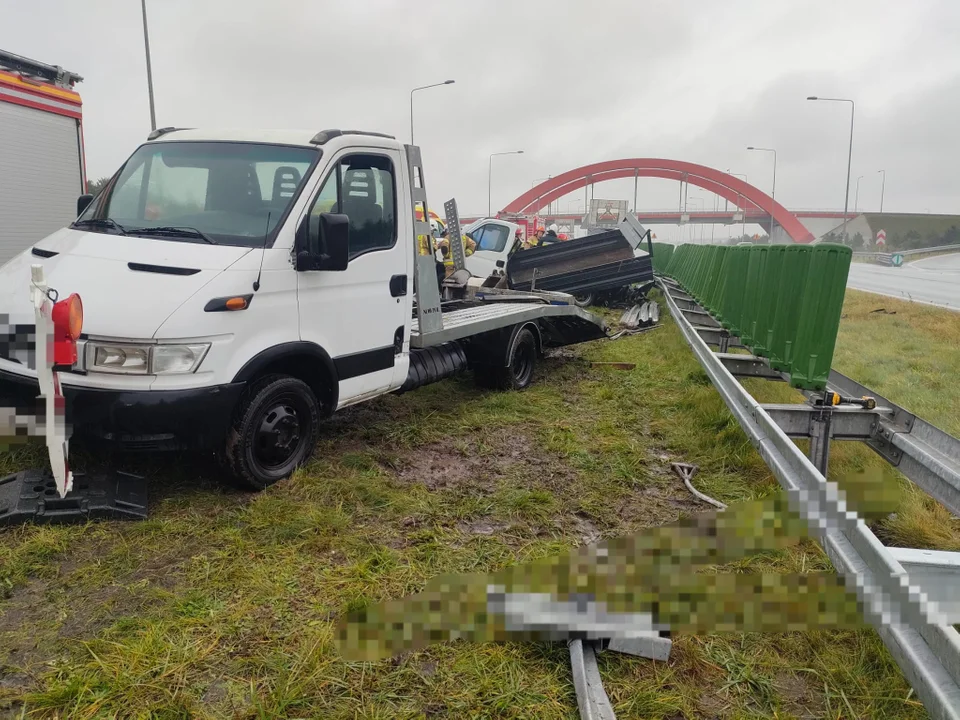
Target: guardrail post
[[820, 440]]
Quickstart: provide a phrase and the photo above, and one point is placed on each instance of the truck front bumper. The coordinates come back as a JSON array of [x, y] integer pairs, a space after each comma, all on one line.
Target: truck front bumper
[[140, 420]]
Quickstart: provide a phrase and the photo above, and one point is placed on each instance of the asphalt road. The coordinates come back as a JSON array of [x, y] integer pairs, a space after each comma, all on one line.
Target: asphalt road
[[935, 280]]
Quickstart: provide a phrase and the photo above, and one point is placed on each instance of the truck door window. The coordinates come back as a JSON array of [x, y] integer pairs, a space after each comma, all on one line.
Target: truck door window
[[494, 238], [477, 235], [362, 188]]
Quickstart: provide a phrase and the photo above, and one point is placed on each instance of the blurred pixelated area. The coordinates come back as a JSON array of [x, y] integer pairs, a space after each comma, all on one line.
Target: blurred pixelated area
[[20, 416], [17, 341], [653, 573]]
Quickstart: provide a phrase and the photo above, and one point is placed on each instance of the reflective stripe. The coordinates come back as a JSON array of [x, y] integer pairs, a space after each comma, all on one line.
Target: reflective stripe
[[38, 101]]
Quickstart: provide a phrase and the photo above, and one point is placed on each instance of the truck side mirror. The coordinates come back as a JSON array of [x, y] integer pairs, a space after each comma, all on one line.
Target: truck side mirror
[[329, 232], [83, 202]]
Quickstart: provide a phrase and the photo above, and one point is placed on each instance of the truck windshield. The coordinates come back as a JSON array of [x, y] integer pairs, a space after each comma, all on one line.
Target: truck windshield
[[217, 192]]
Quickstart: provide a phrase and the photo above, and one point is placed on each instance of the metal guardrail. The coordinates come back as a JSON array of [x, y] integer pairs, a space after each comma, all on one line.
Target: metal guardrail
[[887, 258], [911, 611], [922, 251]]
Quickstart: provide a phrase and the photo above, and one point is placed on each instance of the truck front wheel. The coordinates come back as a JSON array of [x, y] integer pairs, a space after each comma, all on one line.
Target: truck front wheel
[[275, 429], [519, 373]]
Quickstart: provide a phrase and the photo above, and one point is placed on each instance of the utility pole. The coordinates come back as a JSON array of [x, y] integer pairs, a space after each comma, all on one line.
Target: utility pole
[[146, 47], [856, 197], [883, 183]]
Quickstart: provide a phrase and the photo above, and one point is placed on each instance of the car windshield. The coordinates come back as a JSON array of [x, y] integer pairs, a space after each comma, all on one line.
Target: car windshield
[[232, 193]]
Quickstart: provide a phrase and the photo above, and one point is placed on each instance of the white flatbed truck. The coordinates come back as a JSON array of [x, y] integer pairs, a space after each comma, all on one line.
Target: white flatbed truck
[[239, 287]]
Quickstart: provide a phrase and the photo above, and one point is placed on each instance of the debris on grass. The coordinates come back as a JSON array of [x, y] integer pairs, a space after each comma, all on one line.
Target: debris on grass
[[686, 472], [615, 365]]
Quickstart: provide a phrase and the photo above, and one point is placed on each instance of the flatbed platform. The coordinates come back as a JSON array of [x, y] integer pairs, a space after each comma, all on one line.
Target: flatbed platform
[[566, 324]]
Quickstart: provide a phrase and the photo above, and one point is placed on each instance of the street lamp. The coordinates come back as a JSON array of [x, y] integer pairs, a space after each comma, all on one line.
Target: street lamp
[[702, 207], [537, 182], [883, 183], [422, 87], [773, 195], [856, 197], [490, 177], [146, 47], [743, 206], [846, 196]]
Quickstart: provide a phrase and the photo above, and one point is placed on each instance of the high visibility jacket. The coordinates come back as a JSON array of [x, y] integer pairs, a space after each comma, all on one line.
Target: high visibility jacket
[[469, 247]]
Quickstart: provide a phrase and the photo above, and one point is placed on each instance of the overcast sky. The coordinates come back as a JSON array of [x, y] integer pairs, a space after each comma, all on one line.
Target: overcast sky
[[569, 83]]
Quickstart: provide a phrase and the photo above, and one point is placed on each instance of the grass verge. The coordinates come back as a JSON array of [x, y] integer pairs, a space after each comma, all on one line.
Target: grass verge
[[222, 604]]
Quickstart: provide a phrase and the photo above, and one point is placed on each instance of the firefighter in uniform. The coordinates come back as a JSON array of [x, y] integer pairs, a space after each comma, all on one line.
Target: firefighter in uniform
[[535, 240], [443, 243]]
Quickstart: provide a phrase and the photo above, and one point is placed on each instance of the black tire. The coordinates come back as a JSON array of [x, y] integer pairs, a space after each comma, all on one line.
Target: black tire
[[519, 373], [583, 299], [275, 428]]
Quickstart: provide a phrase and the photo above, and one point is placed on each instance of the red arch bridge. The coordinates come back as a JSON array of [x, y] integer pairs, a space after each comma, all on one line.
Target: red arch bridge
[[755, 204]]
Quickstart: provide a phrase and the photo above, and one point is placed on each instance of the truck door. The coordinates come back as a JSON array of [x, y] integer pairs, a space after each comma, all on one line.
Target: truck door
[[360, 316], [492, 240]]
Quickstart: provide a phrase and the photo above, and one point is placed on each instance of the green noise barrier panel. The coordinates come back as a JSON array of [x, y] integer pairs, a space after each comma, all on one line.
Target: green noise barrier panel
[[782, 301]]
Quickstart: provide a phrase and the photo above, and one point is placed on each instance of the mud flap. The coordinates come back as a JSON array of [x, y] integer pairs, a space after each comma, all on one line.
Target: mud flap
[[32, 496]]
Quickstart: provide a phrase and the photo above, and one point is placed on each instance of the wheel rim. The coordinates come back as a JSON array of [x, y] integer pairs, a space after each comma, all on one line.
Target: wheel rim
[[279, 435], [522, 362], [583, 299]]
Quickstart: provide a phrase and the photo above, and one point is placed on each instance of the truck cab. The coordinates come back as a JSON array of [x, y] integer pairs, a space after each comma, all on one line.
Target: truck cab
[[240, 286], [495, 241], [213, 261]]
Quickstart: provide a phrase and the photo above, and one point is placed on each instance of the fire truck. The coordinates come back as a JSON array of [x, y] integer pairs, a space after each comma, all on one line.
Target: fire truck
[[41, 146]]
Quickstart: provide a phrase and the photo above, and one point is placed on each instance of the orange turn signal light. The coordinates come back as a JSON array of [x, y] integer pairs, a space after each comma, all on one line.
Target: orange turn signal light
[[236, 303]]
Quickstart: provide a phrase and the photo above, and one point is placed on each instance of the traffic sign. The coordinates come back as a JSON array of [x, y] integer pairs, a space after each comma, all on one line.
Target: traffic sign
[[881, 237], [897, 259]]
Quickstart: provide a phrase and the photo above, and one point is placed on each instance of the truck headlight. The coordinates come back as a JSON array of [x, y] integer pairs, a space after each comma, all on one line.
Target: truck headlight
[[176, 359], [125, 359]]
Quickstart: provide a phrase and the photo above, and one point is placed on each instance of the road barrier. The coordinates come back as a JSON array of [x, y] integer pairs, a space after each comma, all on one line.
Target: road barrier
[[662, 252], [887, 258], [781, 301], [911, 596]]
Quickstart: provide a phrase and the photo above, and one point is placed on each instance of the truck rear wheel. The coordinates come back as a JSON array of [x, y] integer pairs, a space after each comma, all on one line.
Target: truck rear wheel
[[519, 373], [583, 299], [275, 429]]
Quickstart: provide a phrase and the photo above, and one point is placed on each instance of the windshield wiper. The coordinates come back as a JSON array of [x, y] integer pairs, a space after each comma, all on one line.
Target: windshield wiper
[[174, 230], [101, 222]]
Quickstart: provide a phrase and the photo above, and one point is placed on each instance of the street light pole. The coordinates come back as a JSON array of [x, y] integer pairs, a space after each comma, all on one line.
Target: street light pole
[[534, 184], [423, 87], [146, 47], [856, 197], [699, 199], [713, 225], [773, 195], [742, 205], [883, 182], [490, 177], [846, 197]]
